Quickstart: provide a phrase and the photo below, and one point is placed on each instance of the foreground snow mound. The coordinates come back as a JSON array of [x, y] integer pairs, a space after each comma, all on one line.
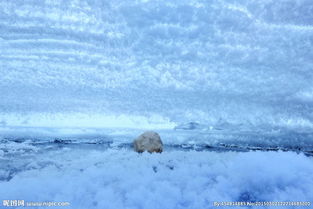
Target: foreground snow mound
[[177, 179]]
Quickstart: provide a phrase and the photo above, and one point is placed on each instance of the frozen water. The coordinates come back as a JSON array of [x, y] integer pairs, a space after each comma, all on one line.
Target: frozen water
[[156, 64], [198, 138]]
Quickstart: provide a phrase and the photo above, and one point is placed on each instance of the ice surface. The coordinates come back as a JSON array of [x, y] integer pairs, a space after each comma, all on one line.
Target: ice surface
[[89, 178], [198, 138], [113, 63]]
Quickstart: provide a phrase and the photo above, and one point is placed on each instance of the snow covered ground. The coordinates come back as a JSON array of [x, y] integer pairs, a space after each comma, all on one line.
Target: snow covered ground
[[94, 176]]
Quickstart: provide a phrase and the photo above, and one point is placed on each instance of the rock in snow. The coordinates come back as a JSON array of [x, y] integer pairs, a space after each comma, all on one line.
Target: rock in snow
[[148, 141]]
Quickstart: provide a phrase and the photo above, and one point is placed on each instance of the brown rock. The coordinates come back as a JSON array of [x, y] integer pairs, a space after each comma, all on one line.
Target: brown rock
[[148, 141]]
